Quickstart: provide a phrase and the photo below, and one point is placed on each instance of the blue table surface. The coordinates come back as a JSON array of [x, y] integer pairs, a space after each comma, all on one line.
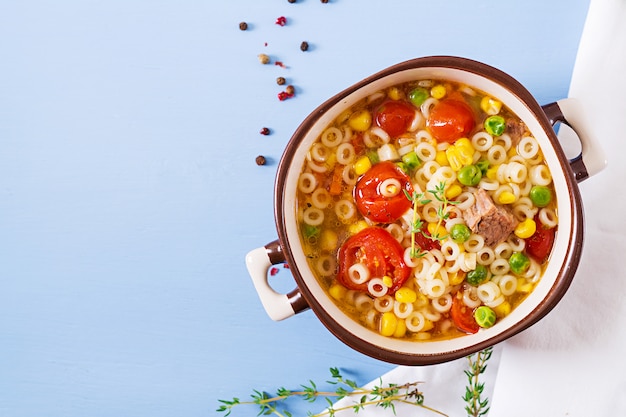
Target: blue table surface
[[129, 193]]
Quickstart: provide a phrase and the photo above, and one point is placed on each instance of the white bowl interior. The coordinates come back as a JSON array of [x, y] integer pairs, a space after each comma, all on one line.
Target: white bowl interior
[[562, 195]]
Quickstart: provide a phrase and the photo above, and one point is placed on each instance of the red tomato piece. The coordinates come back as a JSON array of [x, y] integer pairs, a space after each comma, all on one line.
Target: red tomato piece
[[380, 252], [394, 117], [375, 206], [450, 120], [462, 315], [424, 241], [539, 245]]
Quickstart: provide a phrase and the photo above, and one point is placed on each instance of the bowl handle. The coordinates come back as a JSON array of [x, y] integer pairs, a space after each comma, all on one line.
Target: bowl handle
[[592, 159], [277, 306]]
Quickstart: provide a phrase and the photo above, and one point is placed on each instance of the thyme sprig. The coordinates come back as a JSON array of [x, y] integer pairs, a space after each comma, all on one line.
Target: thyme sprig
[[378, 396], [417, 225], [477, 364]]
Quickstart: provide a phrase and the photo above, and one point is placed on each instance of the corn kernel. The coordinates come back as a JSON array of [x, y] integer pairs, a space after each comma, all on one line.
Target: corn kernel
[[360, 120], [525, 229], [457, 277], [441, 158], [490, 105], [436, 229], [503, 309], [328, 240], [362, 165], [355, 228], [394, 93], [388, 324], [511, 152], [400, 329], [454, 191], [406, 295], [428, 325], [524, 286], [438, 91], [387, 281], [492, 172], [506, 197], [461, 153], [337, 291]]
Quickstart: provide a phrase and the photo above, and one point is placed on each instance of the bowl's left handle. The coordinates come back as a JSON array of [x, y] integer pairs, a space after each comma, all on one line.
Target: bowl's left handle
[[278, 306]]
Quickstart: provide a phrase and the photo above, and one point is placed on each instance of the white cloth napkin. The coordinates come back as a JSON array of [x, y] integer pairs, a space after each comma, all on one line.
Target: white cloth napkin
[[573, 362]]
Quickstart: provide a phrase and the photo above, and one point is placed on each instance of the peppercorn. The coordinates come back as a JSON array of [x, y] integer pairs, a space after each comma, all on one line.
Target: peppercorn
[[291, 1], [304, 46], [281, 80], [260, 160], [265, 131], [243, 26], [324, 1], [264, 59], [290, 90]]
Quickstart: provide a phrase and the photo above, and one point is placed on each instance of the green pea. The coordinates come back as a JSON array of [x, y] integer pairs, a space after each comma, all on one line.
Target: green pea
[[495, 125], [310, 232], [411, 160], [477, 276], [469, 175], [540, 195], [483, 166], [519, 263], [418, 96], [460, 233], [485, 316]]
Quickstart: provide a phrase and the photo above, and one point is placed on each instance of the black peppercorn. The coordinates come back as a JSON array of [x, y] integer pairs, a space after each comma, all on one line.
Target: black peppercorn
[[243, 26], [281, 80], [304, 46], [260, 160]]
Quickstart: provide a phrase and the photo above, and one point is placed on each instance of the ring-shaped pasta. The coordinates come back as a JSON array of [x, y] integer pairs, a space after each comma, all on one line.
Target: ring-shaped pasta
[[503, 250], [307, 183], [434, 288], [482, 141], [488, 292], [380, 133], [495, 303], [450, 250], [528, 147], [415, 322], [416, 122], [429, 168], [429, 212], [363, 302], [433, 316], [332, 137], [390, 187], [402, 310], [427, 105], [345, 153], [499, 266], [488, 184], [347, 134], [319, 152], [425, 151], [359, 273], [409, 260], [372, 318], [548, 217], [377, 288], [474, 243], [383, 303], [442, 304], [470, 298], [516, 172], [313, 216], [345, 210], [396, 231], [508, 284], [503, 140], [467, 261], [421, 269], [321, 198], [524, 211], [496, 155], [516, 243], [465, 200], [317, 168], [540, 175], [452, 222], [485, 256], [325, 265], [349, 175], [423, 136]]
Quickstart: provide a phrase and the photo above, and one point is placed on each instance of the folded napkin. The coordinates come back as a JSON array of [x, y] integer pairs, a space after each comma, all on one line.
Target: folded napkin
[[572, 363]]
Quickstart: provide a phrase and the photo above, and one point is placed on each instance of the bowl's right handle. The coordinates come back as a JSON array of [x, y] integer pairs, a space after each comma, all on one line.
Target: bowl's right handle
[[592, 159], [278, 306]]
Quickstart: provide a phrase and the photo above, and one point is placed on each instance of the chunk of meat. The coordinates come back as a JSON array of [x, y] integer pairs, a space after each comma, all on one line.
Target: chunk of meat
[[493, 222]]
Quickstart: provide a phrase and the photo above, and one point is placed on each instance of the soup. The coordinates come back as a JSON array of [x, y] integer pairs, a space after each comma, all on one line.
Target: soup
[[426, 210]]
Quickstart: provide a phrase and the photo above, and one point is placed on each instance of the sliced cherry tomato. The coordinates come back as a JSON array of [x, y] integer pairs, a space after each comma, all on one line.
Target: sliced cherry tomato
[[394, 117], [450, 120], [380, 252], [539, 245], [375, 206], [424, 241], [462, 315]]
